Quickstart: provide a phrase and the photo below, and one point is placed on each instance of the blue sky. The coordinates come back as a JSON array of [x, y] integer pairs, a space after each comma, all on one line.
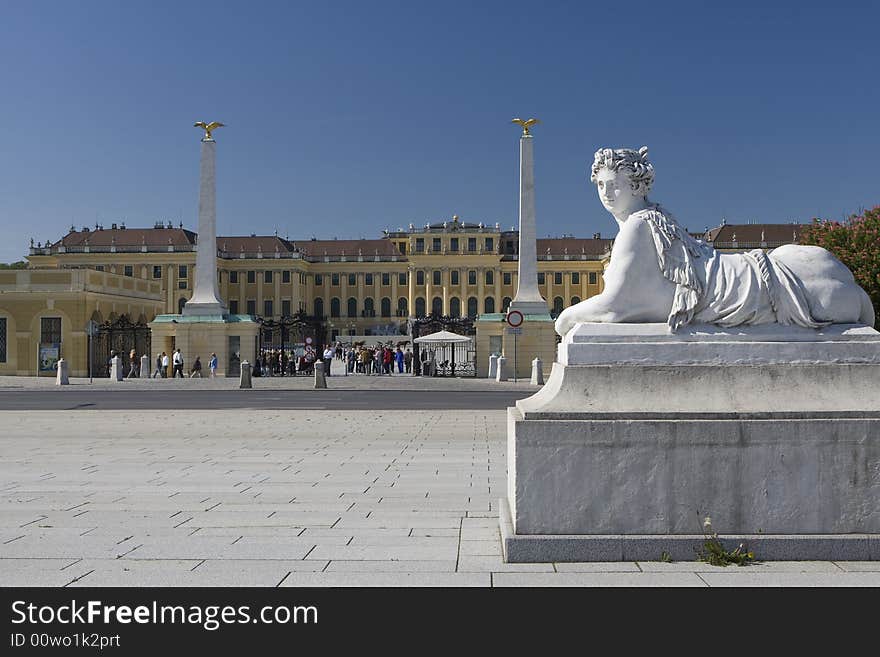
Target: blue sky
[[347, 118]]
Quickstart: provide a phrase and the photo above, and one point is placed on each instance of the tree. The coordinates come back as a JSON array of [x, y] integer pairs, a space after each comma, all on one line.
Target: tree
[[856, 243], [20, 264]]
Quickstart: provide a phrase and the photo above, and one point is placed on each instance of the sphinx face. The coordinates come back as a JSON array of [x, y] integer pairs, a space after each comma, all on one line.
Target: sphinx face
[[616, 193]]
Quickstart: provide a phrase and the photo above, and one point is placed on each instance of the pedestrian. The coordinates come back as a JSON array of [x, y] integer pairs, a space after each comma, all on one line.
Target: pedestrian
[[132, 365], [177, 362], [164, 365], [398, 356], [387, 358], [196, 369], [212, 364], [110, 362], [328, 359], [158, 371], [407, 360]]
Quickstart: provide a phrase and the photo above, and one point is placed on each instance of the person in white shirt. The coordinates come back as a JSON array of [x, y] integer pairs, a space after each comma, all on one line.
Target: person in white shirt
[[164, 365], [177, 360], [328, 359]]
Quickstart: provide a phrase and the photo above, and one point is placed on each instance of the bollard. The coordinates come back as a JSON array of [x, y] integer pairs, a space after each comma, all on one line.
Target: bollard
[[501, 375], [116, 369], [244, 380], [145, 367], [537, 372], [62, 378], [320, 376], [493, 366]]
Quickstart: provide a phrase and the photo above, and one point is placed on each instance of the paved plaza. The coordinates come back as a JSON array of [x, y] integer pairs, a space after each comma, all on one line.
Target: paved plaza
[[290, 498]]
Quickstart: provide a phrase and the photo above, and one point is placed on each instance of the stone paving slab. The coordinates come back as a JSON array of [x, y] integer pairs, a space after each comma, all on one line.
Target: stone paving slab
[[296, 498]]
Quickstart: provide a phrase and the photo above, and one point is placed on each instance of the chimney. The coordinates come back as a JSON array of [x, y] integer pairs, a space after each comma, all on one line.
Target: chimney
[[113, 226], [597, 236]]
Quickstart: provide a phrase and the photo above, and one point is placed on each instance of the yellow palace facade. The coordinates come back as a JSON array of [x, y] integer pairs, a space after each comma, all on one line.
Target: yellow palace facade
[[353, 287]]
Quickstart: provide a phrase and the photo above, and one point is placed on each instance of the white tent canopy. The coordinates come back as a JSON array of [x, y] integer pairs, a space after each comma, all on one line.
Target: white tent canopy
[[442, 337]]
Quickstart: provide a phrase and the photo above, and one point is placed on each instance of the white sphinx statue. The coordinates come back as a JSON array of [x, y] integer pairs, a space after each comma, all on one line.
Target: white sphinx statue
[[659, 273]]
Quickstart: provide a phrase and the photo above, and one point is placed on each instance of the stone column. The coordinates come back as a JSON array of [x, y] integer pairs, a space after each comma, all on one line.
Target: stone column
[[206, 296], [481, 292], [444, 283], [411, 291], [496, 275], [394, 293], [528, 299], [429, 289]]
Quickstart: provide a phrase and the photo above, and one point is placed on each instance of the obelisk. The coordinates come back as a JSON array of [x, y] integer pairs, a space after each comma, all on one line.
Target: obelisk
[[206, 300], [528, 299]]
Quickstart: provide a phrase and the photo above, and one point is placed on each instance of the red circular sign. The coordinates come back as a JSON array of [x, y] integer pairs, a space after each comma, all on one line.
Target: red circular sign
[[514, 318]]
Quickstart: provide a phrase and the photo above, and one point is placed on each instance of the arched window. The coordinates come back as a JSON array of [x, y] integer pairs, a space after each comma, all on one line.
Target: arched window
[[319, 307], [352, 307], [420, 307], [455, 307], [402, 310], [557, 305], [437, 306], [575, 300], [505, 304], [181, 302], [473, 307], [334, 307], [369, 308], [489, 305], [385, 307]]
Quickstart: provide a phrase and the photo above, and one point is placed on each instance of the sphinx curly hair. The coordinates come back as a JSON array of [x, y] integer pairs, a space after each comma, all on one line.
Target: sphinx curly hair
[[634, 164]]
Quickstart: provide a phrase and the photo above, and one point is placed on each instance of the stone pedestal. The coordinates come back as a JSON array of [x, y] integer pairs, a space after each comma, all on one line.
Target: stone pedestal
[[320, 374], [244, 379], [231, 337], [116, 369], [62, 375], [637, 435], [537, 373], [145, 367], [493, 366]]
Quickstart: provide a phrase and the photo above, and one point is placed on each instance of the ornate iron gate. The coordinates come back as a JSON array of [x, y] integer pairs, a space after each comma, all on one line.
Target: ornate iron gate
[[120, 336], [465, 362]]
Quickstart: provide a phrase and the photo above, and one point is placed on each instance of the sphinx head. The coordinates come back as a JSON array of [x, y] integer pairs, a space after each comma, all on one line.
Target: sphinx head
[[623, 178]]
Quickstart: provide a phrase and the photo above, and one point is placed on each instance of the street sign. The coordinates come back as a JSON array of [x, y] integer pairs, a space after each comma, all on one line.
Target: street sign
[[515, 318], [514, 331], [308, 341]]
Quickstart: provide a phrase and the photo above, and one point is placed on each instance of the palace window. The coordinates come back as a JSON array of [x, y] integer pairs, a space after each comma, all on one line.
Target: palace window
[[473, 307], [267, 308], [455, 307], [575, 278], [401, 246], [541, 278], [181, 285], [402, 310], [233, 307], [454, 277], [2, 339], [557, 278], [575, 301], [506, 278], [50, 330], [368, 279], [285, 276], [490, 278], [490, 244], [472, 277], [128, 270], [420, 279], [437, 306], [369, 308], [435, 245], [593, 278], [505, 304], [251, 306], [182, 271], [267, 276], [420, 307], [334, 307], [319, 308], [385, 307], [285, 307], [252, 277], [472, 243], [401, 279], [435, 275], [489, 305], [386, 279], [352, 307], [233, 277], [99, 267], [319, 279], [157, 271], [420, 245], [334, 280], [352, 279], [557, 305], [453, 245]]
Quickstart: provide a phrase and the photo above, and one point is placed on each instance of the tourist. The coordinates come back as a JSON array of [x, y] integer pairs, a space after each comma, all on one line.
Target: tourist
[[257, 367], [164, 365], [158, 371], [196, 369], [177, 362], [212, 364], [387, 358], [407, 360], [132, 365], [398, 356], [110, 362], [328, 359]]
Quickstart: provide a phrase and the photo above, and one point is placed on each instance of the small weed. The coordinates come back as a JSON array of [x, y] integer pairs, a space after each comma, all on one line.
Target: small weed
[[714, 553], [665, 557]]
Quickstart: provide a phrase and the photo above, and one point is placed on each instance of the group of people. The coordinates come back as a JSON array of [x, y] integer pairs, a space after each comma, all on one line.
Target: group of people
[[378, 359], [282, 362], [162, 363]]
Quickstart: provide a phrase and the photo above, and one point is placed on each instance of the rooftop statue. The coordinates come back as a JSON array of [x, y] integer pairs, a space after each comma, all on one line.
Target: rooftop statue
[[660, 273]]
